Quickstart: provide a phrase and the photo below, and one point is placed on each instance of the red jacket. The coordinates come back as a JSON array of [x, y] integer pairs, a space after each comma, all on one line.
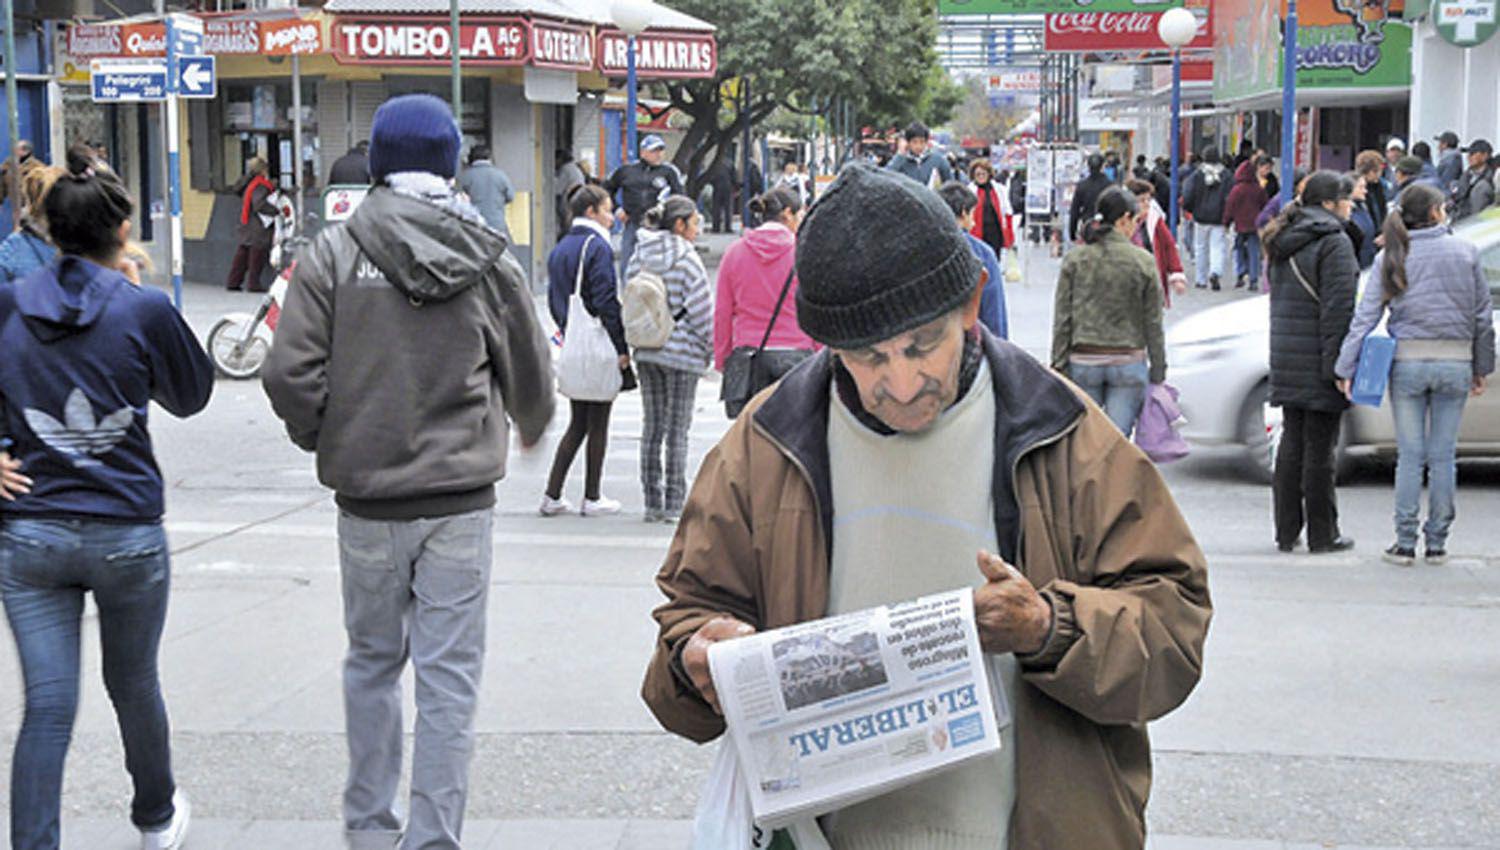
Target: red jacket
[[999, 202], [1246, 199], [1163, 248]]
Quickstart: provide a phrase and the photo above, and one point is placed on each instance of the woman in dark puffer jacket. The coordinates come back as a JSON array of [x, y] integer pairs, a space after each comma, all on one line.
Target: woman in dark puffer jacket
[[1314, 275]]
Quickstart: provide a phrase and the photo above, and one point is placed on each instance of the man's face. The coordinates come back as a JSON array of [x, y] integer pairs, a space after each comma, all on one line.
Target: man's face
[[1393, 155], [1477, 160], [909, 380], [653, 156], [916, 147]]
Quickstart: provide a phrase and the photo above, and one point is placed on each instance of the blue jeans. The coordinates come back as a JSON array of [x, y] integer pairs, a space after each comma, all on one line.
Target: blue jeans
[[627, 248], [1120, 390], [46, 567], [1247, 257], [1427, 401], [1210, 241]]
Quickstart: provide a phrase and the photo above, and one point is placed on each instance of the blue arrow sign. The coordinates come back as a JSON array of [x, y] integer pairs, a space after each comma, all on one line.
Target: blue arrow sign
[[195, 76], [128, 81]]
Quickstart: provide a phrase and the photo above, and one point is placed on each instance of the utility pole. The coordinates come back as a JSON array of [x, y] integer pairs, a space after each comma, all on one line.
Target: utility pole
[[13, 116]]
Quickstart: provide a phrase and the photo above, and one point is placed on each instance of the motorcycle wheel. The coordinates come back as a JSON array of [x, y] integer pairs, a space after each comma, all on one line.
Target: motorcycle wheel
[[222, 341]]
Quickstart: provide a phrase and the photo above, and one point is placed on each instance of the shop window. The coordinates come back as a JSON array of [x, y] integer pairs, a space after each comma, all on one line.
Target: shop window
[[476, 101], [254, 118]]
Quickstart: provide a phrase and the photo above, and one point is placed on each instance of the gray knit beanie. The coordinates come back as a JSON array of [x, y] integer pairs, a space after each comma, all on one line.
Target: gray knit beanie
[[878, 255]]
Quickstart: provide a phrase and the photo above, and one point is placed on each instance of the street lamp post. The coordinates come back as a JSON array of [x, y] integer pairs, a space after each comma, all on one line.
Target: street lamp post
[[632, 17], [1289, 104], [1177, 28]]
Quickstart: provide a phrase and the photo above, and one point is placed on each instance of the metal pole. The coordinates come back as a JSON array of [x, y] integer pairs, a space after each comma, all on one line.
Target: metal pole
[[297, 165], [1176, 135], [750, 191], [13, 116], [1289, 104], [458, 82], [630, 100]]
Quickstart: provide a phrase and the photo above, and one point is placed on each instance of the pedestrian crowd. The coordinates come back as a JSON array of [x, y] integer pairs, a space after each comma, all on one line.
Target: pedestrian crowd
[[881, 418]]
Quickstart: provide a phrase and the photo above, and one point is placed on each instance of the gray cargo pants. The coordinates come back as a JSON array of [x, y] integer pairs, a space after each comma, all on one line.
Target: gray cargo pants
[[415, 589]]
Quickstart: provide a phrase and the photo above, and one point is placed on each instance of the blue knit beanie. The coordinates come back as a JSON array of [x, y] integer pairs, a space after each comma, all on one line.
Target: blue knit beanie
[[414, 132]]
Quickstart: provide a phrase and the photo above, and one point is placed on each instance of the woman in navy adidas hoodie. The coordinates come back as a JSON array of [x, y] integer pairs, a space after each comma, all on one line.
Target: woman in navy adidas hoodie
[[87, 349]]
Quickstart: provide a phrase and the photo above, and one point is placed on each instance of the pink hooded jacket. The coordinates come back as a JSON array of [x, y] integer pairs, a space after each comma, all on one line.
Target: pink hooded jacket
[[750, 279]]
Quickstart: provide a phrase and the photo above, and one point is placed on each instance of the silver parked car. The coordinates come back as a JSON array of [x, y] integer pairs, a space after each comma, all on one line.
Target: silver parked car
[[1220, 361]]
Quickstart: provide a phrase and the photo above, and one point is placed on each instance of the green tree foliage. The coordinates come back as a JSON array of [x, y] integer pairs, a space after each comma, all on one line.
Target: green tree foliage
[[802, 55]]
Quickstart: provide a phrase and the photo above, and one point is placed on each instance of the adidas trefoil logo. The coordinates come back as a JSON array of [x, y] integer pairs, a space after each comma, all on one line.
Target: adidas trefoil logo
[[78, 435]]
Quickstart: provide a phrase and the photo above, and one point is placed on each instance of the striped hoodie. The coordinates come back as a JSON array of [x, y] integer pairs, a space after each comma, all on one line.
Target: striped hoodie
[[677, 263]]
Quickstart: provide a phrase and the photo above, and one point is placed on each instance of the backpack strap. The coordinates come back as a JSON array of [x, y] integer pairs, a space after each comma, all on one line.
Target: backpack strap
[[785, 288]]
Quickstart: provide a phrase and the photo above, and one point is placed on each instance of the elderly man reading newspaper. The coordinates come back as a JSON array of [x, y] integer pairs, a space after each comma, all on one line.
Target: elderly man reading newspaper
[[917, 454]]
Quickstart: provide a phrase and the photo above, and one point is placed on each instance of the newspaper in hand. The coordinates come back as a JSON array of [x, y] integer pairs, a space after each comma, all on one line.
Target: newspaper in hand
[[827, 713]]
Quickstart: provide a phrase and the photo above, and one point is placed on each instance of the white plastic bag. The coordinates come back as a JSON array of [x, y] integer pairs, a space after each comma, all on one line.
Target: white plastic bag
[[723, 820], [588, 368]]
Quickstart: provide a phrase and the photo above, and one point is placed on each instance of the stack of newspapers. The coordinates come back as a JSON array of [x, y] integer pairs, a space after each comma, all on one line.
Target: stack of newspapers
[[827, 713]]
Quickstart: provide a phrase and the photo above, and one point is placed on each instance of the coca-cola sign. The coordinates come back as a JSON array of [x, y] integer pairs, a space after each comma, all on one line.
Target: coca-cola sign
[[1102, 32]]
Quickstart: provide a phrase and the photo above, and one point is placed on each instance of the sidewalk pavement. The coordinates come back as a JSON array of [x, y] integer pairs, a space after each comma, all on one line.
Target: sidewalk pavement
[[528, 834]]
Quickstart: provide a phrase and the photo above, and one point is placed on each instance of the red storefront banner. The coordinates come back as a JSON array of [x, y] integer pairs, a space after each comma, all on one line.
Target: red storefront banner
[[222, 37], [284, 38], [676, 55], [90, 41], [425, 40], [561, 46], [1101, 32]]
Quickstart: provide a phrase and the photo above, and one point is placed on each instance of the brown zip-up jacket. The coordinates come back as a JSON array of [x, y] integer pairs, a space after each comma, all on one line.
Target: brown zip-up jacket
[[1081, 512]]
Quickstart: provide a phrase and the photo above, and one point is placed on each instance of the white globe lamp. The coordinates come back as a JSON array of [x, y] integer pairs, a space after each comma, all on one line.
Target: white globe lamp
[[1177, 27]]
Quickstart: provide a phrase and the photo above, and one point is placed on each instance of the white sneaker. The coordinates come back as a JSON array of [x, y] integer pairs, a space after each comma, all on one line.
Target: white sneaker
[[555, 507], [602, 506], [174, 835]]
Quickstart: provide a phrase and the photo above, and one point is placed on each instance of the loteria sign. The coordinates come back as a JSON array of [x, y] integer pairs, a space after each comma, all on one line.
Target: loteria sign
[[561, 46], [415, 40], [1102, 32]]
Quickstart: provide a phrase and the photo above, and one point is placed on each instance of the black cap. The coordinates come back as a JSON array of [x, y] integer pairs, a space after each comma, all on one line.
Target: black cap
[[1448, 138], [1409, 165], [877, 256], [1479, 146]]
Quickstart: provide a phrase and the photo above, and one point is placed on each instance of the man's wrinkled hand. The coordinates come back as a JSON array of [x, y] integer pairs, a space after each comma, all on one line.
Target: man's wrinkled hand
[[695, 654], [1010, 614]]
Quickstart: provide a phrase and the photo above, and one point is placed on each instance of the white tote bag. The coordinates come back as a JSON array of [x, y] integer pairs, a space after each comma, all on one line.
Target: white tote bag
[[588, 368], [723, 820]]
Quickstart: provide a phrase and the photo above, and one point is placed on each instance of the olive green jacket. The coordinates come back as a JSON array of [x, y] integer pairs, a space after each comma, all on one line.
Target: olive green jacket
[[1109, 296]]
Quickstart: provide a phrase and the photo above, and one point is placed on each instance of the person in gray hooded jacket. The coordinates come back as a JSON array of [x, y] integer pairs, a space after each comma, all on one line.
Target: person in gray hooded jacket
[[669, 375], [1440, 314], [407, 345]]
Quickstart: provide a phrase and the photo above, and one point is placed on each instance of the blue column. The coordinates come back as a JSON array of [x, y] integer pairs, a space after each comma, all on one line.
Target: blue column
[[631, 152], [1176, 135], [1289, 103]]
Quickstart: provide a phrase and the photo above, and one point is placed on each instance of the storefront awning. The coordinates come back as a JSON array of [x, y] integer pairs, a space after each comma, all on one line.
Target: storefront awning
[[586, 11]]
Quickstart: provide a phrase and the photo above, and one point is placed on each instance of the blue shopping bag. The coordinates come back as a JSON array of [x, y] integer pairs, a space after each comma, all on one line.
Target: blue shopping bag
[[1372, 374]]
